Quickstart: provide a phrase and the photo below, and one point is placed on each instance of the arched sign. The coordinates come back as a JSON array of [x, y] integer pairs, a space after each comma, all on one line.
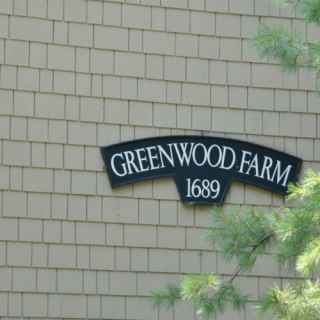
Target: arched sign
[[202, 167]]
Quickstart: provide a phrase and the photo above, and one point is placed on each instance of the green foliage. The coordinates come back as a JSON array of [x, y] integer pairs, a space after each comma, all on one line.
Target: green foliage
[[294, 303], [199, 289], [246, 237], [300, 225], [205, 292], [309, 189], [293, 231], [310, 9], [166, 297], [228, 294], [243, 235], [198, 286], [278, 43], [288, 47], [309, 261], [314, 55]]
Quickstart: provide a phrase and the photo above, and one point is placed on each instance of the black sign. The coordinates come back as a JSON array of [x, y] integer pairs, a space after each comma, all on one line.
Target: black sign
[[203, 167]]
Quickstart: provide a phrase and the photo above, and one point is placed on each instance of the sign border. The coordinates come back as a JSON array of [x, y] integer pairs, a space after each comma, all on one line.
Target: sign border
[[156, 175]]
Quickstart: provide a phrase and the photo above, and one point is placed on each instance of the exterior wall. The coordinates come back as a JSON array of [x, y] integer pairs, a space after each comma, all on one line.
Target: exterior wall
[[79, 74]]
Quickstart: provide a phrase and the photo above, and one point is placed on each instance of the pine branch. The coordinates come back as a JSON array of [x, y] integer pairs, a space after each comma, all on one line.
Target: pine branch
[[254, 248], [280, 44], [242, 236], [166, 297], [296, 232], [310, 9], [309, 261], [294, 302]]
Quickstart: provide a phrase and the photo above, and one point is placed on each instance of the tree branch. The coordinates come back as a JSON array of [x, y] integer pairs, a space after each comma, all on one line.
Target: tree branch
[[254, 248]]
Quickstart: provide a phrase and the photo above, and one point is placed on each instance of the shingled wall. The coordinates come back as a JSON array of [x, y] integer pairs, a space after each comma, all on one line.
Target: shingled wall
[[79, 74]]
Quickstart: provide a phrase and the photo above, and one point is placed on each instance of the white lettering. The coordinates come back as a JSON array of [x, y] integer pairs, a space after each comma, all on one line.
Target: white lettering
[[281, 176], [205, 154], [219, 152], [185, 156], [197, 154], [141, 153], [163, 152], [267, 164], [254, 165], [152, 157], [124, 172], [129, 155], [244, 160], [224, 154]]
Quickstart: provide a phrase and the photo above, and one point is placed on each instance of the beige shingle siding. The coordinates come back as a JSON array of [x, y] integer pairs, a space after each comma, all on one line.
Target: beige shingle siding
[[79, 74]]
